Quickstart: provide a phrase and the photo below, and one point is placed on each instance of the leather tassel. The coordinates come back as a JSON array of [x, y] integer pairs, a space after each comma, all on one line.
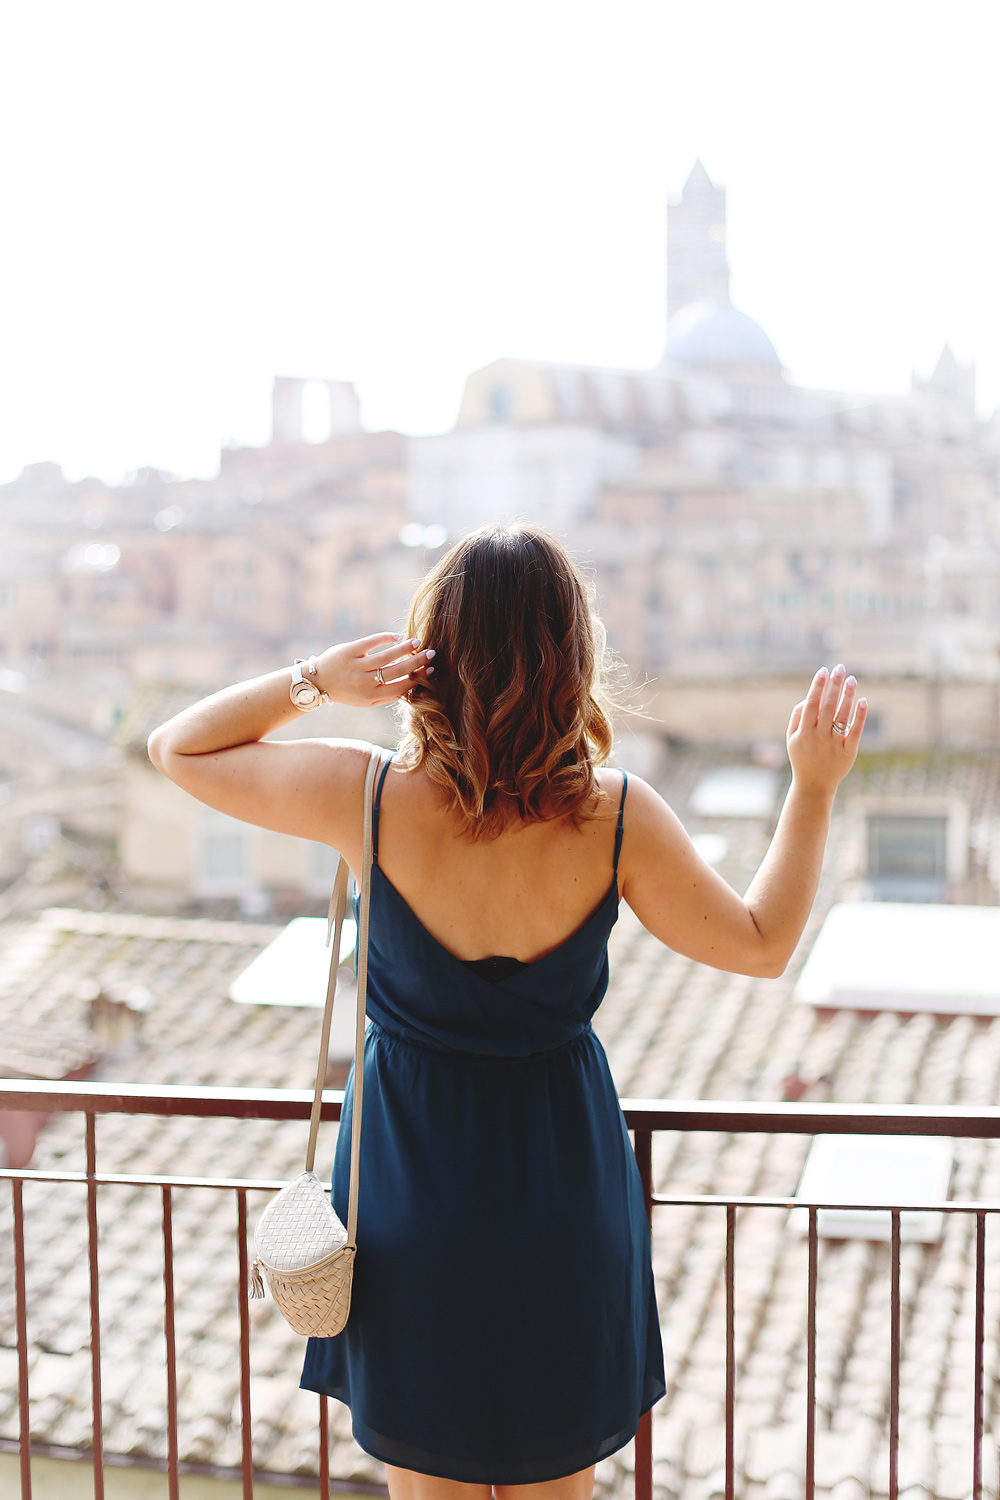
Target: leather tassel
[[256, 1282]]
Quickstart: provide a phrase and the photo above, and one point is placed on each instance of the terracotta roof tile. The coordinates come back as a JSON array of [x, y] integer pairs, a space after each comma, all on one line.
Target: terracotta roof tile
[[670, 1027]]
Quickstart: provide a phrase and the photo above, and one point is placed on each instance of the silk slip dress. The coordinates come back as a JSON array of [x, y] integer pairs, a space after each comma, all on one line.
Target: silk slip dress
[[503, 1326]]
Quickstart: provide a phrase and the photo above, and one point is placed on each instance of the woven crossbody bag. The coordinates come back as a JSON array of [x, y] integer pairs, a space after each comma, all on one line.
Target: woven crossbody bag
[[304, 1252]]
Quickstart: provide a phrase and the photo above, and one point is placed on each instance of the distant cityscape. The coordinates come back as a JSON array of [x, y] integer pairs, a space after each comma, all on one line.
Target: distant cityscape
[[734, 522], [739, 530]]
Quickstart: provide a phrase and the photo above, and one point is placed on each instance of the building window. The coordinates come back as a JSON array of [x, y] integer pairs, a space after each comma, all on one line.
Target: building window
[[321, 869], [501, 403], [907, 857], [224, 865]]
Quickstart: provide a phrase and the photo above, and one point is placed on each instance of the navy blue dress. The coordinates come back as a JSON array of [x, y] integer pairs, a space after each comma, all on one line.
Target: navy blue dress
[[503, 1326]]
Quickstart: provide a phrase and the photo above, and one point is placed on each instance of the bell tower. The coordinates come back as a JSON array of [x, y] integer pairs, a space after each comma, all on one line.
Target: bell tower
[[696, 244]]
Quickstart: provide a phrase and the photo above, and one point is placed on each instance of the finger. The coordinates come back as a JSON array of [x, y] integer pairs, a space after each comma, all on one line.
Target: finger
[[796, 718], [403, 666], [398, 688], [368, 643], [810, 706], [845, 707], [860, 715], [379, 655], [831, 694]]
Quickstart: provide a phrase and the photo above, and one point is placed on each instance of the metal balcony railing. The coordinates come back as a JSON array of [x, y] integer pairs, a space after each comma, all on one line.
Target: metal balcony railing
[[644, 1118]]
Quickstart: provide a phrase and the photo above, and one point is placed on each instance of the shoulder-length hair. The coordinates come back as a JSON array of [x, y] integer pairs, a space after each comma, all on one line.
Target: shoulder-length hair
[[515, 716]]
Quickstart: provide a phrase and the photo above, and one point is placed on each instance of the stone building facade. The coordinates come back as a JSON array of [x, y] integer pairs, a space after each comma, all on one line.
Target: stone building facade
[[737, 523], [197, 581], [739, 530]]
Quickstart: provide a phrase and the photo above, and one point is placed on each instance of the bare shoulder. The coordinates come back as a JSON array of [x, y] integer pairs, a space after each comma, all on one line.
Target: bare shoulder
[[409, 787], [346, 763], [339, 765], [338, 771], [344, 752], [643, 805], [652, 828], [332, 773], [408, 778], [610, 780], [641, 801]]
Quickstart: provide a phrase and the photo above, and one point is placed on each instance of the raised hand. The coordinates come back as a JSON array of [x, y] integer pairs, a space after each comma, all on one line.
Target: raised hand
[[375, 669], [825, 730]]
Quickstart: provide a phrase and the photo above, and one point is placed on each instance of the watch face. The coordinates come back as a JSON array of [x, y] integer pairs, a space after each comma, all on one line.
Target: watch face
[[305, 695]]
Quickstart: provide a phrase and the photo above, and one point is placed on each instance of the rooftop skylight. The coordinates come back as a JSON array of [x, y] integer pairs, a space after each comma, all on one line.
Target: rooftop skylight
[[886, 1169], [292, 970], [735, 792], [884, 955]]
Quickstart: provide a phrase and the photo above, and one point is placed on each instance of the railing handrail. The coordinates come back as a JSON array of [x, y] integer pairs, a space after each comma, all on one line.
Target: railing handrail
[[659, 1200], [643, 1116], [745, 1116], [753, 1118], [166, 1099]]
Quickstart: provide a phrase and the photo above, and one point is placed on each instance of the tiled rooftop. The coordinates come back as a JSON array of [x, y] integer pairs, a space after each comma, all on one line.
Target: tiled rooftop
[[757, 1044]]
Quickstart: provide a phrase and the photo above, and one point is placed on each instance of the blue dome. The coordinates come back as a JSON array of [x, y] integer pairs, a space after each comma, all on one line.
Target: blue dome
[[716, 333]]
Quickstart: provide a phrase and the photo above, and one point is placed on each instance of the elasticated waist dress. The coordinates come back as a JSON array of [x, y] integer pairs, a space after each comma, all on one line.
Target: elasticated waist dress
[[503, 1326]]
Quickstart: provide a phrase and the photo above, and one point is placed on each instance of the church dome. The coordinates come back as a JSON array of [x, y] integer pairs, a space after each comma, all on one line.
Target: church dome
[[716, 333]]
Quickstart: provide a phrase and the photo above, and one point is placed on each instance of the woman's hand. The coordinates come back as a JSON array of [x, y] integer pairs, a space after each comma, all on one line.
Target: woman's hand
[[823, 736], [350, 673]]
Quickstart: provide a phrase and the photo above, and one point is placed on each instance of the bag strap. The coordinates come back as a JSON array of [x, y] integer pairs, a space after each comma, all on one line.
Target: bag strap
[[335, 922], [377, 757]]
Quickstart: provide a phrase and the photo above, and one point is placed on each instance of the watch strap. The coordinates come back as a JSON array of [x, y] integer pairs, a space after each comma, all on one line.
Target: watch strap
[[299, 677]]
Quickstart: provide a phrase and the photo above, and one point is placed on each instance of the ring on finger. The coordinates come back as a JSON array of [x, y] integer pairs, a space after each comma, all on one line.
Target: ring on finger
[[839, 728], [379, 679]]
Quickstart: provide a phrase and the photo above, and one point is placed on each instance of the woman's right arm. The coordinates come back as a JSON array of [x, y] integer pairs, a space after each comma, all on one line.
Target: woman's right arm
[[685, 903], [218, 750]]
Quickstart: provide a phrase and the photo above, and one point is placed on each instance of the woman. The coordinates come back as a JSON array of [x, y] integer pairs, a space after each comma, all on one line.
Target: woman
[[503, 1329]]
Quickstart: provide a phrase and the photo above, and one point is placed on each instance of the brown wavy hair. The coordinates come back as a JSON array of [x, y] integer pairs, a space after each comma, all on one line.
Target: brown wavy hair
[[517, 713]]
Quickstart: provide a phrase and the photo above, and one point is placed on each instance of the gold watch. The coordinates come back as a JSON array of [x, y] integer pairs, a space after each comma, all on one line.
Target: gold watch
[[304, 694]]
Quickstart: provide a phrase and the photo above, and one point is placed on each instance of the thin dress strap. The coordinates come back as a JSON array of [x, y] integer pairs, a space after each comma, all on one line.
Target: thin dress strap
[[621, 821], [377, 808]]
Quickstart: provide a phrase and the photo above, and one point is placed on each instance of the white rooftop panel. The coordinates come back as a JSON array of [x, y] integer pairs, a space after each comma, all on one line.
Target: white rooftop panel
[[735, 792], [889, 1169], [906, 956], [293, 970]]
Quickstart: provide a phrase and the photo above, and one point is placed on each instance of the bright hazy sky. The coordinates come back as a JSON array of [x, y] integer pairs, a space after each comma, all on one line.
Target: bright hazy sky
[[197, 195]]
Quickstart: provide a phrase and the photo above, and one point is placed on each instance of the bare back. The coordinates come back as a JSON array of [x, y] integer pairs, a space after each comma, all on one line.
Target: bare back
[[520, 895]]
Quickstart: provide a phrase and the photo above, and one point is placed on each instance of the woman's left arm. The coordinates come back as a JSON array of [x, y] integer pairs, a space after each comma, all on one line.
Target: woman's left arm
[[689, 906], [217, 751]]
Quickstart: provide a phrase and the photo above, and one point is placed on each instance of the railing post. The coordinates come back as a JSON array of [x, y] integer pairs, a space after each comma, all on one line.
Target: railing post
[[811, 1355], [644, 1434], [895, 1341], [324, 1449], [170, 1333], [246, 1429], [21, 1299], [95, 1310], [977, 1418], [730, 1351]]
